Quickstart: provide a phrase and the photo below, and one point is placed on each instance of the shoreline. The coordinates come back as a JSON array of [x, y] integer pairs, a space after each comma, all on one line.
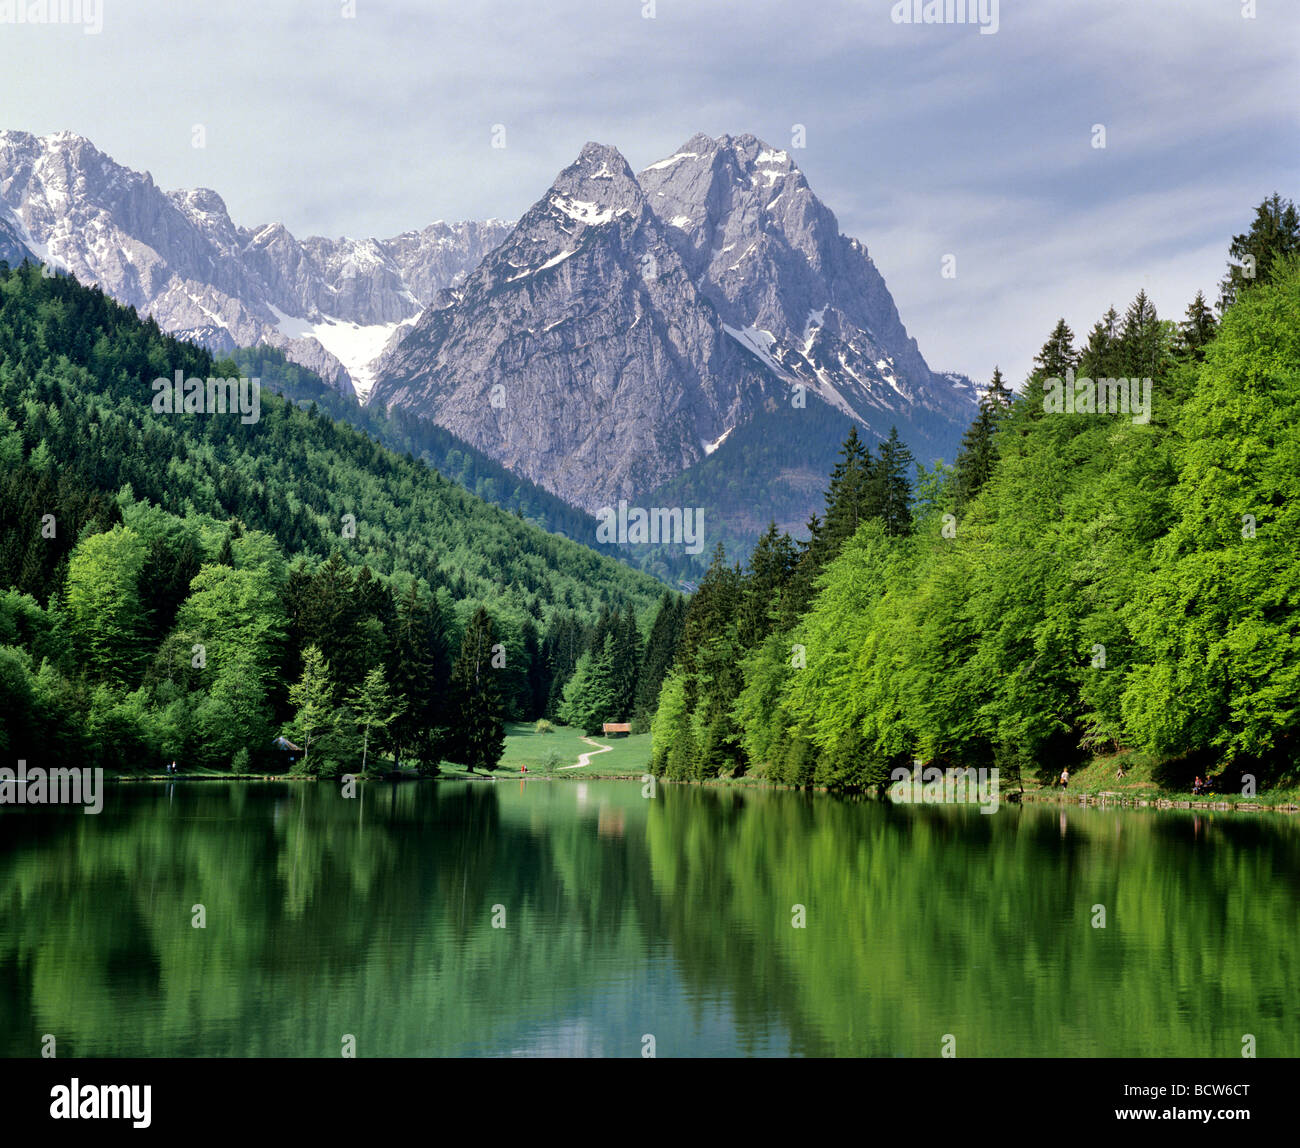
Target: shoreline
[[1107, 798]]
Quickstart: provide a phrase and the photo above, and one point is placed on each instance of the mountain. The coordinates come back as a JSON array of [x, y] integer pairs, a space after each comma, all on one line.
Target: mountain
[[330, 304], [91, 445], [405, 432], [701, 331], [14, 246], [580, 352], [803, 299], [629, 324]]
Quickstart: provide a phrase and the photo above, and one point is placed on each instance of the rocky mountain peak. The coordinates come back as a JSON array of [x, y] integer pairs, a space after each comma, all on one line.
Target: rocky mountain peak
[[331, 305], [595, 188], [579, 352]]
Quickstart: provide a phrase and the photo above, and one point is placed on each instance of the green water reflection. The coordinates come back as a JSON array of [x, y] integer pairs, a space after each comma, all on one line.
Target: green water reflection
[[373, 917]]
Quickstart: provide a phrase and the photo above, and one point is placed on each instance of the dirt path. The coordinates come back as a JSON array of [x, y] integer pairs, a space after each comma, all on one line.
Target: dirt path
[[585, 758]]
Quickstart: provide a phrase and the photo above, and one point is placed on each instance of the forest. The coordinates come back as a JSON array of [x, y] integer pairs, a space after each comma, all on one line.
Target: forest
[[406, 432], [1080, 582], [194, 587]]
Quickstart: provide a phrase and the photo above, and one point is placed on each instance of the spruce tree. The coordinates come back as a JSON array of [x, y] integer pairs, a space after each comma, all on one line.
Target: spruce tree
[[477, 732], [1274, 233], [978, 449], [1054, 360], [660, 649], [1141, 340], [802, 586], [850, 497], [893, 484], [565, 641], [1101, 355], [625, 663], [1196, 331], [419, 669], [537, 679], [589, 699], [772, 565]]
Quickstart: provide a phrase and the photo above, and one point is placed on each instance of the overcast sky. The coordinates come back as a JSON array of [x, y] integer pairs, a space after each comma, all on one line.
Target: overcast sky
[[925, 140]]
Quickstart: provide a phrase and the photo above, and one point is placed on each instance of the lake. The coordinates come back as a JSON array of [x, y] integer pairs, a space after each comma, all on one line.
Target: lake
[[582, 919]]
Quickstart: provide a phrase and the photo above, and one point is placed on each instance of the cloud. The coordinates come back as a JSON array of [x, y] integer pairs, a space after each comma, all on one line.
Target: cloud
[[923, 139]]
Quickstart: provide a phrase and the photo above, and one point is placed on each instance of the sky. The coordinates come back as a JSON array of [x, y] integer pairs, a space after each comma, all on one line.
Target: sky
[[927, 140]]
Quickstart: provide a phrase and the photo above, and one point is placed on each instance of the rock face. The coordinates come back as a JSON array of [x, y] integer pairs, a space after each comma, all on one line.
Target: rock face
[[630, 323], [331, 305], [580, 353], [606, 346], [804, 298], [14, 246]]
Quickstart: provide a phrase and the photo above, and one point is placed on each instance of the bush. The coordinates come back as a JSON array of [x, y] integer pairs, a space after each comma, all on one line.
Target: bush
[[543, 726]]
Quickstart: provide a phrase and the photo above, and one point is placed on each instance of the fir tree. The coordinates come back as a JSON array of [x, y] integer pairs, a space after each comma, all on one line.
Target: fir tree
[[978, 449], [1196, 331], [477, 733], [893, 485], [1274, 234]]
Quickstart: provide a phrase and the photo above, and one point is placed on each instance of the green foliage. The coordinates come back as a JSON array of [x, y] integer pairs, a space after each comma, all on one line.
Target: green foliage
[[375, 709], [167, 574], [478, 736], [315, 714], [1220, 614], [589, 695], [1273, 237], [1115, 580], [105, 615]]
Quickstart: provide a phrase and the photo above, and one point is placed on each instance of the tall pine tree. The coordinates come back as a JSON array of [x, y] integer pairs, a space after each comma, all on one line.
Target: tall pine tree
[[978, 449], [478, 736]]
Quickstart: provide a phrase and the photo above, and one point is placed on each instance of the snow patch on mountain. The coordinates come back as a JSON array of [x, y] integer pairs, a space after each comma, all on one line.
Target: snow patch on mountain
[[583, 212], [757, 343], [672, 159], [358, 347], [179, 257]]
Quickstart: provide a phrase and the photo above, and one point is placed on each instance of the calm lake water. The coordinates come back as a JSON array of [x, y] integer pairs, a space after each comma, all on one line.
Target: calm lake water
[[625, 917]]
